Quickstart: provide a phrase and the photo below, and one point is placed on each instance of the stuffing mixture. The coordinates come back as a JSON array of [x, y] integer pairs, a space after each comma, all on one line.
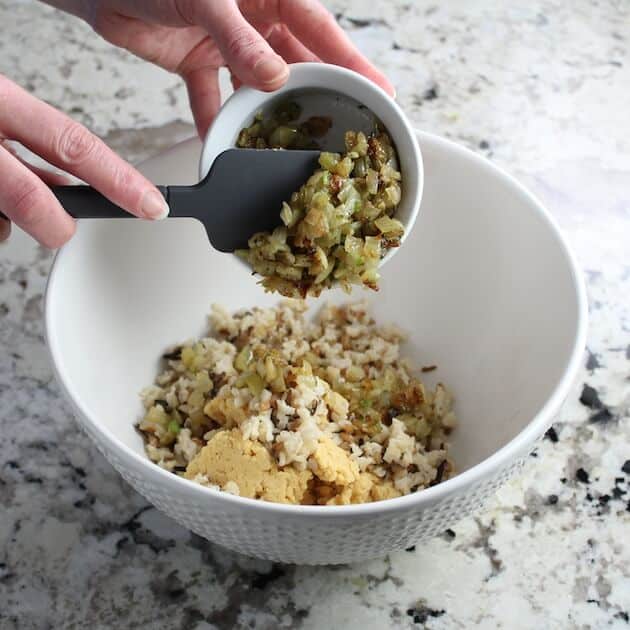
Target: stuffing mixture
[[336, 229], [270, 406]]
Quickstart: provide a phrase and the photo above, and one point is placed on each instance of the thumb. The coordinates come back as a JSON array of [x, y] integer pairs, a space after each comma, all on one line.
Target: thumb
[[243, 48]]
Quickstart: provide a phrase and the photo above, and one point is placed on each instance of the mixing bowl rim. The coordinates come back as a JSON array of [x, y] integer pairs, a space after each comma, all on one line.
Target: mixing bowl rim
[[498, 460]]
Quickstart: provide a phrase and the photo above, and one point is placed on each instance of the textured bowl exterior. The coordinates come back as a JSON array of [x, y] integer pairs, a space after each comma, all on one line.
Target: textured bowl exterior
[[307, 538]]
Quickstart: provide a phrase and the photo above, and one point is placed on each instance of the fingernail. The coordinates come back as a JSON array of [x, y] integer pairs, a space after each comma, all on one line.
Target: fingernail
[[268, 70], [154, 206]]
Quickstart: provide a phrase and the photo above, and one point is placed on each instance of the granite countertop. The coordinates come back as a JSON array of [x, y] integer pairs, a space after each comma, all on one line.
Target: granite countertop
[[540, 91]]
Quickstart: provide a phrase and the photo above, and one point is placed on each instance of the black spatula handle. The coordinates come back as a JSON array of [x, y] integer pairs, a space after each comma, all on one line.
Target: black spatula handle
[[84, 202], [241, 195]]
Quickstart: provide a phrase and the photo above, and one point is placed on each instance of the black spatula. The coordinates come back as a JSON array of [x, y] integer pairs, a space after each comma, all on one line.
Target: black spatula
[[241, 195]]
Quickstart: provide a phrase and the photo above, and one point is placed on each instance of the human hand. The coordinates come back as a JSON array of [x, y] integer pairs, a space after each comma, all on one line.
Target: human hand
[[24, 195], [255, 39]]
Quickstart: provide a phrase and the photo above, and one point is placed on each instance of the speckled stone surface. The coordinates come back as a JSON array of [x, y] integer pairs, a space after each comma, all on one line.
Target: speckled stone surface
[[544, 91]]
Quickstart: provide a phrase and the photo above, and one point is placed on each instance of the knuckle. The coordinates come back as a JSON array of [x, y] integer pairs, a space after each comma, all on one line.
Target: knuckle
[[75, 144], [123, 180], [187, 10], [28, 201], [122, 177], [240, 42]]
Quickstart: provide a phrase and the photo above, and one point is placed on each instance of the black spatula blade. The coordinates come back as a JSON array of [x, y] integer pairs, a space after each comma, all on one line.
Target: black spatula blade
[[243, 193]]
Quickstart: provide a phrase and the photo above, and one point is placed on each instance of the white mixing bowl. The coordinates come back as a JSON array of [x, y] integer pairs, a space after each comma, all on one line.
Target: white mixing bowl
[[485, 285]]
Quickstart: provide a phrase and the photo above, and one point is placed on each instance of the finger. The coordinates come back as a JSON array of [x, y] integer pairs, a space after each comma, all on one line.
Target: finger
[[243, 48], [30, 204], [49, 177], [288, 46], [204, 95], [317, 29], [70, 146], [5, 230]]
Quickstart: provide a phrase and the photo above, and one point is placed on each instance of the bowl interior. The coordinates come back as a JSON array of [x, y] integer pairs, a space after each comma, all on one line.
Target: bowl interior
[[483, 286]]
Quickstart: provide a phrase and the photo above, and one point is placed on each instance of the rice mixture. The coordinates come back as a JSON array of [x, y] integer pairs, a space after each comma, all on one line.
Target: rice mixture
[[339, 225], [271, 407]]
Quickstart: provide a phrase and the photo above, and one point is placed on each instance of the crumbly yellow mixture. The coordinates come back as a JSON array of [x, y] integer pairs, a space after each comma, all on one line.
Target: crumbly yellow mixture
[[230, 457], [271, 407]]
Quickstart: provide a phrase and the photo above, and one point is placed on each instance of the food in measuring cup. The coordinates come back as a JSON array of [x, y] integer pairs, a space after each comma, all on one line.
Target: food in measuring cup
[[269, 406], [338, 226], [282, 131]]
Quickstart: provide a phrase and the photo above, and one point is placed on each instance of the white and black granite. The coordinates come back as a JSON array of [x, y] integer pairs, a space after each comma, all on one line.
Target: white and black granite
[[544, 91]]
